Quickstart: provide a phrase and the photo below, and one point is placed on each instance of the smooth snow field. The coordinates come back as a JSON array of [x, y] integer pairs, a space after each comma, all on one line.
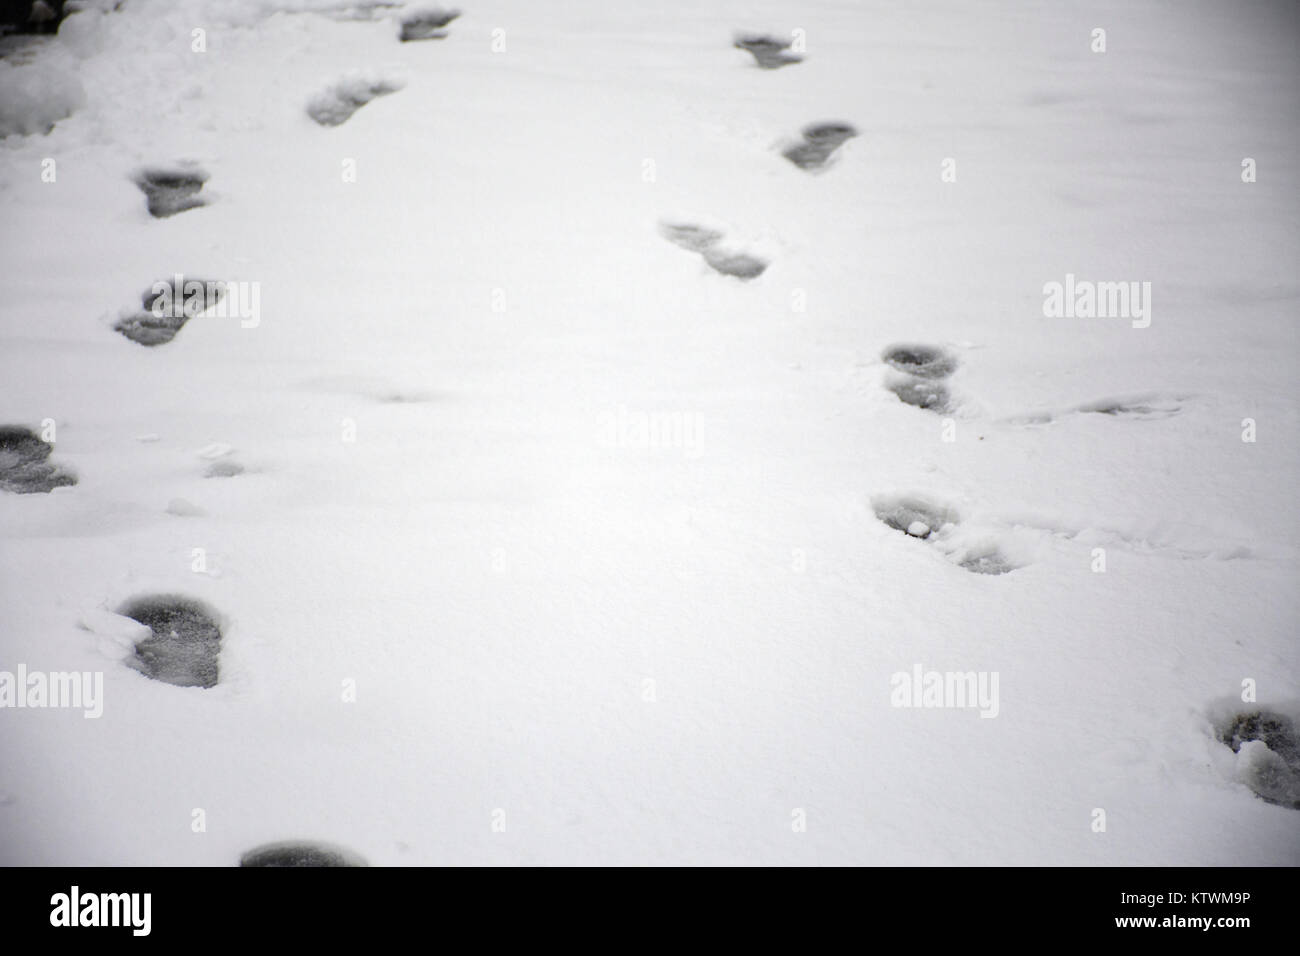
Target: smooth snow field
[[589, 433]]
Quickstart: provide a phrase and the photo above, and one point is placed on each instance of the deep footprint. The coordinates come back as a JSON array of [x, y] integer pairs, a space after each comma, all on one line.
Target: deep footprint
[[167, 306], [170, 191], [768, 52], [1268, 755], [24, 469], [820, 141], [921, 361], [426, 24], [335, 105], [185, 644], [301, 853], [929, 395]]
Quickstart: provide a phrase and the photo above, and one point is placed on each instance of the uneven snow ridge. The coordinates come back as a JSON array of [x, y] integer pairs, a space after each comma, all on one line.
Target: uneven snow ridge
[[937, 507]]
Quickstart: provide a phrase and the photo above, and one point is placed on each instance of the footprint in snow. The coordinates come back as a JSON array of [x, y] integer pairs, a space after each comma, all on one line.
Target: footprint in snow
[[922, 368], [169, 191], [708, 243], [820, 141], [926, 520], [301, 853], [768, 52], [335, 104], [184, 643], [24, 468], [1144, 407], [1267, 746], [166, 307], [426, 23]]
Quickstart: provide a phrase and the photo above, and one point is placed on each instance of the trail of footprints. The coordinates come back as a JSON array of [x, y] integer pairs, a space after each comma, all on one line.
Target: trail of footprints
[[184, 639]]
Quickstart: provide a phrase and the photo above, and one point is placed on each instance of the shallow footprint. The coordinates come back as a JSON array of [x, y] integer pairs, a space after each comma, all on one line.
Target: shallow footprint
[[1138, 406], [335, 105], [689, 236], [987, 561], [914, 515], [923, 518], [24, 469], [706, 242], [768, 52], [301, 853], [426, 23], [185, 642]]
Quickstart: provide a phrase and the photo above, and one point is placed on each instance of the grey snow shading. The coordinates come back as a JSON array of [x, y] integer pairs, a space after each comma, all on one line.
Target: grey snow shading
[[169, 191], [24, 468], [300, 853], [926, 520], [768, 52], [335, 104], [706, 242], [1268, 754], [820, 141], [185, 643], [224, 469], [426, 23], [165, 310]]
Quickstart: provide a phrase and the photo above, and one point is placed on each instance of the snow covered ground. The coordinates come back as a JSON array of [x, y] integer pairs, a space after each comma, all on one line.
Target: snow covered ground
[[589, 530]]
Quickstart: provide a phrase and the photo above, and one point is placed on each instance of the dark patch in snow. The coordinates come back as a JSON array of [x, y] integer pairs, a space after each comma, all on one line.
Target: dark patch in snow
[[820, 141], [1271, 763], [921, 393], [185, 643], [31, 16], [24, 469], [170, 191], [300, 853], [922, 361], [768, 52], [426, 23]]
